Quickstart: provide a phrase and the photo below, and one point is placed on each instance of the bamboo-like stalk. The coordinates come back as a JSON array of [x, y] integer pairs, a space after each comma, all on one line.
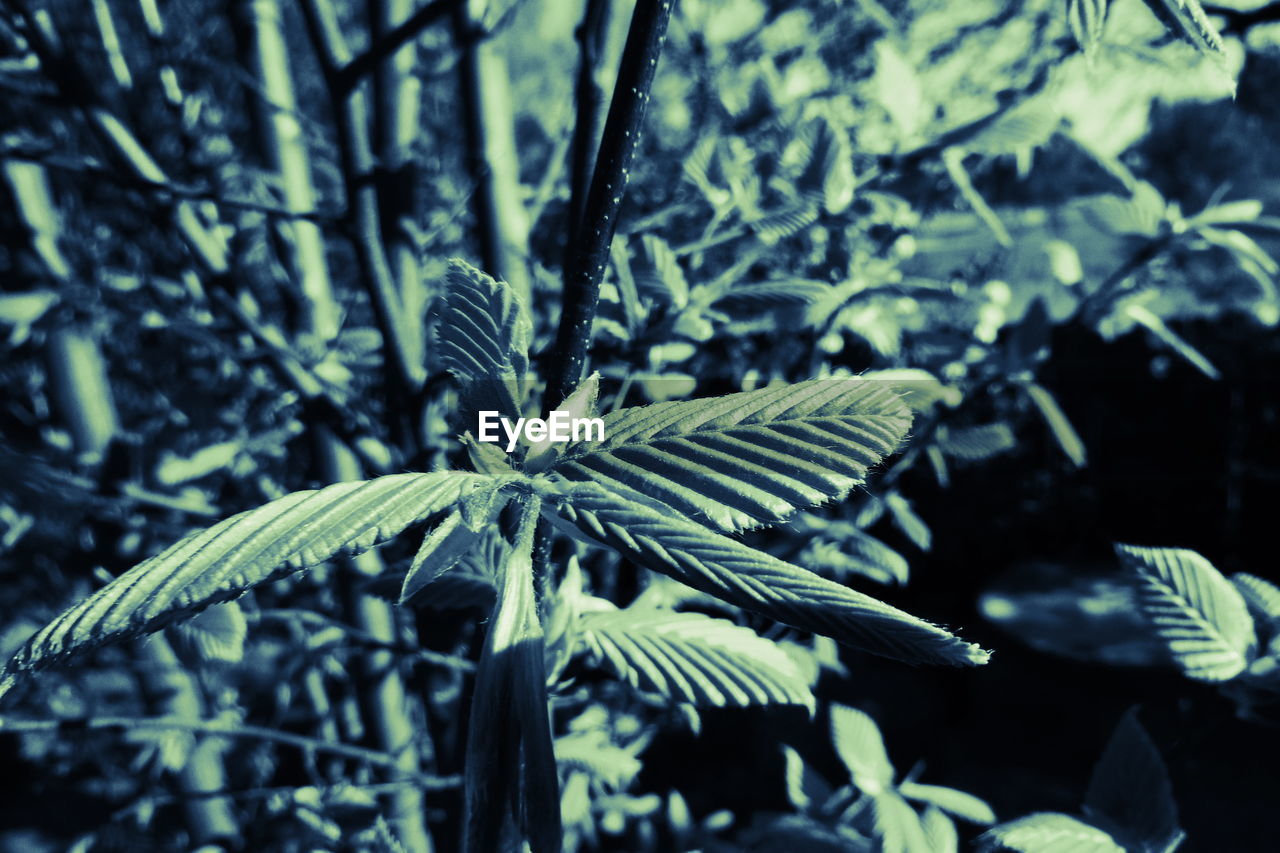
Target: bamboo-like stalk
[[383, 700], [501, 219], [78, 379], [618, 146], [350, 111], [591, 35], [396, 96]]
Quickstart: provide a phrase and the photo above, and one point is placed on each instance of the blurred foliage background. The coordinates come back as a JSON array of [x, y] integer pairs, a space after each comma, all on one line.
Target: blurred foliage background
[[225, 224]]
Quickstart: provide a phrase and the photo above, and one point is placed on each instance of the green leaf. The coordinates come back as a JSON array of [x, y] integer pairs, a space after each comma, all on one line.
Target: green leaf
[[746, 459], [1261, 597], [593, 752], [483, 338], [806, 790], [689, 657], [1187, 20], [1129, 791], [295, 532], [1049, 832], [657, 537], [958, 803], [216, 634], [1087, 19], [976, 443], [658, 273], [441, 550], [897, 825], [510, 766], [1195, 610], [1063, 431], [856, 553], [940, 831], [1143, 316], [860, 746]]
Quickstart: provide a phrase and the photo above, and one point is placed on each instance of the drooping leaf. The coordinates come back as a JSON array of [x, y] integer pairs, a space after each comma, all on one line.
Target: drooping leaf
[[1143, 316], [1049, 832], [959, 803], [657, 537], [745, 459], [1129, 791], [658, 274], [1195, 610], [940, 831], [774, 226], [440, 551], [689, 657], [295, 532], [860, 746], [483, 338], [510, 765]]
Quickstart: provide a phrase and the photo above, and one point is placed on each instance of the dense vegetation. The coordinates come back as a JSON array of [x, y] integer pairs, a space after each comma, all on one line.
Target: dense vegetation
[[934, 347]]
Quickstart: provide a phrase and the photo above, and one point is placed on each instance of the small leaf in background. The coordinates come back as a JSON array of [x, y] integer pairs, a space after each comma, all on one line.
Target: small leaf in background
[[1066, 435], [1130, 793], [976, 443], [174, 470], [940, 831], [1141, 315], [658, 274], [959, 803], [22, 310], [906, 520], [1048, 832], [216, 634], [1087, 19], [1262, 598], [1195, 610], [483, 335], [806, 790], [857, 740], [1187, 20]]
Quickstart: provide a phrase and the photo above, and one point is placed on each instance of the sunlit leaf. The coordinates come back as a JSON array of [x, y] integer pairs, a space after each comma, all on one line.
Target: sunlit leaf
[[959, 803], [689, 657], [1195, 610], [1049, 832], [300, 530], [483, 337], [745, 459], [657, 537]]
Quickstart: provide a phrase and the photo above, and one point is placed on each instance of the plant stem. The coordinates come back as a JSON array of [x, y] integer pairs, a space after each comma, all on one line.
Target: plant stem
[[501, 218], [381, 691], [619, 144]]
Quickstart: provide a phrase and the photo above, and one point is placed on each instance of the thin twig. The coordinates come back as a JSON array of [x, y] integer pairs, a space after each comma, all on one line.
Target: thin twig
[[220, 728]]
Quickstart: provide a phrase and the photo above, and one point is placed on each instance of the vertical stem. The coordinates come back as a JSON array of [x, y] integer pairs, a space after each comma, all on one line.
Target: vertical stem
[[503, 227], [397, 93], [586, 129], [381, 691], [618, 146]]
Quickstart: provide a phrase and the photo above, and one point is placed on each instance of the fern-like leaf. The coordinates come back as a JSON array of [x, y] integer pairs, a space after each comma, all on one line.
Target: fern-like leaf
[[292, 533], [746, 459], [656, 537], [689, 657], [483, 336], [1196, 611], [1049, 832]]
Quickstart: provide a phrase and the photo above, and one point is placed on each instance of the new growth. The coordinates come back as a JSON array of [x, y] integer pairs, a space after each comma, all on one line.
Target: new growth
[[560, 427]]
